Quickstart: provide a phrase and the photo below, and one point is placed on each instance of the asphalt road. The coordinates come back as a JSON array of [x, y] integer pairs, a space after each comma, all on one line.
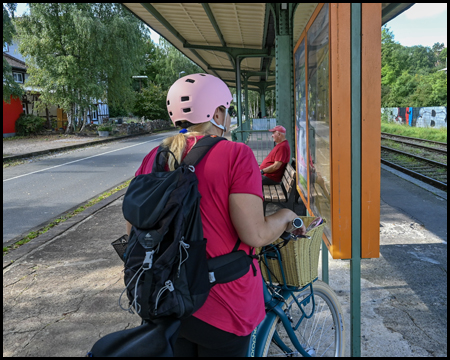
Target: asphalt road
[[37, 192]]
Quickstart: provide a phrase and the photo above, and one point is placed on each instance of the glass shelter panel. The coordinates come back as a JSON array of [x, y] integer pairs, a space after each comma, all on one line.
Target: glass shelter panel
[[319, 117], [300, 123]]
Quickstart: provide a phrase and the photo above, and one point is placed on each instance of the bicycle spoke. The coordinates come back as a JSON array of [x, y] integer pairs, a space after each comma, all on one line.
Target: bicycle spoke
[[322, 334]]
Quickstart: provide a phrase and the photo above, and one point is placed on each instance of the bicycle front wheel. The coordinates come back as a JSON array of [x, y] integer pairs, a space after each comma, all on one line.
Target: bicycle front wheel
[[322, 334]]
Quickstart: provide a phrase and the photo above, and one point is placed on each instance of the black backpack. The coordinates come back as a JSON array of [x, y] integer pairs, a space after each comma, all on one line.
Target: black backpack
[[166, 269]]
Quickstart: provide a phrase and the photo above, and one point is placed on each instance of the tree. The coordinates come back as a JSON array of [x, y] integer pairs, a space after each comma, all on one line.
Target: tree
[[409, 75], [151, 103], [170, 63], [401, 89], [420, 57], [153, 62], [79, 53], [438, 95], [440, 53], [10, 87]]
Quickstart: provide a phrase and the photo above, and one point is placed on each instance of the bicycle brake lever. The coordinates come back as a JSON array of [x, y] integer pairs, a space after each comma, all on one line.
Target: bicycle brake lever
[[295, 237], [286, 235]]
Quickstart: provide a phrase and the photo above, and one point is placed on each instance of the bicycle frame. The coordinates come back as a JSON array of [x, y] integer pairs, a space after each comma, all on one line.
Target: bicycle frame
[[274, 300]]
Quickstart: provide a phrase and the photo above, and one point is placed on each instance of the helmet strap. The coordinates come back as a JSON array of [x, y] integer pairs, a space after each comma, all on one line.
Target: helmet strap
[[223, 128]]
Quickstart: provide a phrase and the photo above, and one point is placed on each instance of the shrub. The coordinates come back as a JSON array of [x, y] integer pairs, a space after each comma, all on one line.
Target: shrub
[[151, 103], [105, 127], [29, 125]]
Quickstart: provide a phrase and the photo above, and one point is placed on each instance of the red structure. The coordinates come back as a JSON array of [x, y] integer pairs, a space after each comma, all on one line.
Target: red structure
[[11, 113]]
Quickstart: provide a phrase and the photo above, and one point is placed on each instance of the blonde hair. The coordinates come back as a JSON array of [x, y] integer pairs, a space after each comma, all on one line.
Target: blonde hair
[[177, 143]]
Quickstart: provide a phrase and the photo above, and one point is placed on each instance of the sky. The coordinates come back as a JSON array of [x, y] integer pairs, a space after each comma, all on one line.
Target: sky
[[421, 24]]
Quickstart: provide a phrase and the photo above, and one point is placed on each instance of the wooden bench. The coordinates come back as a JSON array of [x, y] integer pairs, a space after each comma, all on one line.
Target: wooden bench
[[285, 193]]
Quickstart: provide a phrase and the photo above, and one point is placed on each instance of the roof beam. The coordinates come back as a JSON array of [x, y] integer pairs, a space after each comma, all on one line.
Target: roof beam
[[213, 21], [234, 52], [175, 33], [250, 73], [257, 84], [268, 39], [393, 10]]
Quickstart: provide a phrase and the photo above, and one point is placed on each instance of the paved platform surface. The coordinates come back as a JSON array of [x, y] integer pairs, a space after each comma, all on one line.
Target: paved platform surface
[[61, 290]]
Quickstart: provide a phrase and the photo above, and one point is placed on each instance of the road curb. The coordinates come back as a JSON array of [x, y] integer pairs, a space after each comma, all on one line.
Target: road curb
[[16, 254], [77, 146]]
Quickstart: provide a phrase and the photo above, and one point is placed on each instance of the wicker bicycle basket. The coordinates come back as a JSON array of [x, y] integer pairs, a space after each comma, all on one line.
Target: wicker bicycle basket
[[300, 258]]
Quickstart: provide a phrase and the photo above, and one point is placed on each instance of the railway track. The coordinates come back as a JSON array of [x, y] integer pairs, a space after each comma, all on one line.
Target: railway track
[[432, 146], [432, 171]]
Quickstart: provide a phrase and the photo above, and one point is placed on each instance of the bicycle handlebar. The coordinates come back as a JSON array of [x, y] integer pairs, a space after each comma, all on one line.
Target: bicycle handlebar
[[288, 236]]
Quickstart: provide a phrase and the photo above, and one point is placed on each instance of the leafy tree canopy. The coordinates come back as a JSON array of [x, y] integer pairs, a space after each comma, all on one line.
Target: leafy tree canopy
[[79, 53], [410, 75], [151, 103], [10, 87]]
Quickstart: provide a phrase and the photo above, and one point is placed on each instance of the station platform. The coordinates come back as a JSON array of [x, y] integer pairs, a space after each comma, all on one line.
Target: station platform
[[61, 290]]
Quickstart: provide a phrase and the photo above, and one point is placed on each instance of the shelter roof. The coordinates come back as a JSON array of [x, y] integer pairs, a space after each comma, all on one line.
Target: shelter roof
[[212, 34]]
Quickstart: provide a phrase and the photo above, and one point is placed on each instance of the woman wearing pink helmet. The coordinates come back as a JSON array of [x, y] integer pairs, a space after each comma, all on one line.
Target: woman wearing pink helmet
[[231, 206]]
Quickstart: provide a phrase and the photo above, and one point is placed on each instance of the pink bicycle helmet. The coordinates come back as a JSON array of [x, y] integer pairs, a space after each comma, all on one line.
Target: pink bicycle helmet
[[195, 97]]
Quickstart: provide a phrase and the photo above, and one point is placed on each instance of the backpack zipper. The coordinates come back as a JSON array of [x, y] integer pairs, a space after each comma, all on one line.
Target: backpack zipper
[[168, 286], [185, 247]]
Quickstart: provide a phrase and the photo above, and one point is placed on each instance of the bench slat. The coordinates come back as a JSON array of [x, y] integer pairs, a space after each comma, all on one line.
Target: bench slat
[[282, 192], [281, 196], [290, 169], [285, 183], [273, 192], [267, 194]]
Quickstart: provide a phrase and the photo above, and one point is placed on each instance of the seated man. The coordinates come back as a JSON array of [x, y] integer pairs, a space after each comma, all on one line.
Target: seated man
[[272, 167]]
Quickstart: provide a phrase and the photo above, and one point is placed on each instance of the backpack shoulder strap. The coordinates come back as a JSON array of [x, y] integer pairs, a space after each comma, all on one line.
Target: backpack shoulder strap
[[200, 149], [161, 158]]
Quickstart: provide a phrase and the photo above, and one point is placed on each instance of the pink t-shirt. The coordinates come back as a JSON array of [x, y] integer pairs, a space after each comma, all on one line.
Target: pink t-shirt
[[228, 168]]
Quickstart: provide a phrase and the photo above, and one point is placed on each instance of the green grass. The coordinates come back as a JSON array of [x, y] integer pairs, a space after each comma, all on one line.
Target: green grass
[[420, 133], [63, 218], [12, 138]]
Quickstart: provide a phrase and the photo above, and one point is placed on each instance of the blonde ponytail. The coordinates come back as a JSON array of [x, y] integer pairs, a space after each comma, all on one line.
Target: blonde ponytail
[[177, 143]]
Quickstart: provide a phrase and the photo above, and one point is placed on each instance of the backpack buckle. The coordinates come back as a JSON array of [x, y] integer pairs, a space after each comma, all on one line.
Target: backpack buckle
[[148, 261], [212, 278]]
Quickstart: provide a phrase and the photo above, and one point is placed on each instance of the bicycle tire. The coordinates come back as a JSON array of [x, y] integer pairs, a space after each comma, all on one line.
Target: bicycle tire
[[327, 307]]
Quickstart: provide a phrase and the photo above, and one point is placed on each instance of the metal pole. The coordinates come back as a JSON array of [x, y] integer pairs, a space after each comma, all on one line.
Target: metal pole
[[263, 102], [238, 94], [355, 262], [246, 96]]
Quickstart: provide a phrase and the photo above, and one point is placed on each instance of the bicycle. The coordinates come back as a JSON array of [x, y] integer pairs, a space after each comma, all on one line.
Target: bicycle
[[306, 321]]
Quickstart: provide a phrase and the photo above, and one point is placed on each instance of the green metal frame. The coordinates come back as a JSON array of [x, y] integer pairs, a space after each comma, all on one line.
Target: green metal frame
[[355, 262], [284, 70]]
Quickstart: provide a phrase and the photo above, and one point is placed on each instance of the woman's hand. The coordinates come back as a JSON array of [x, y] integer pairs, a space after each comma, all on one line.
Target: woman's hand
[[296, 231]]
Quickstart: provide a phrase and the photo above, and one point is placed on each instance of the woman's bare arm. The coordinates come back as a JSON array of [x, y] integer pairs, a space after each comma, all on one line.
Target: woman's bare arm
[[255, 229]]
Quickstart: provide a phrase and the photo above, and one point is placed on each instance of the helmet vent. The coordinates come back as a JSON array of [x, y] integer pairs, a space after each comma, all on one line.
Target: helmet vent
[[187, 110], [202, 74], [170, 113], [190, 80], [185, 98], [168, 102]]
